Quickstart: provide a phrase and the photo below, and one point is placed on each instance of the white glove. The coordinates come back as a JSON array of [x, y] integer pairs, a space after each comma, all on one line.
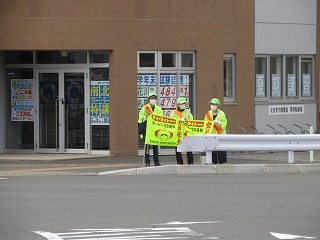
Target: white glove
[[217, 122], [182, 119], [188, 112]]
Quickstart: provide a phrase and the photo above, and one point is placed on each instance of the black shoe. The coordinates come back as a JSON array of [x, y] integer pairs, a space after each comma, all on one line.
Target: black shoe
[[157, 164], [147, 164]]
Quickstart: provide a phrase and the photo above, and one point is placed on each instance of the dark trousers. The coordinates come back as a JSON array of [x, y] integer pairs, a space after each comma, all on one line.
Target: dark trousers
[[180, 160], [155, 154], [219, 157], [147, 153]]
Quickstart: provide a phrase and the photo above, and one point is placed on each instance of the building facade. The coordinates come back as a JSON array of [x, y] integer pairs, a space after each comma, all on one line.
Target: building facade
[[73, 74]]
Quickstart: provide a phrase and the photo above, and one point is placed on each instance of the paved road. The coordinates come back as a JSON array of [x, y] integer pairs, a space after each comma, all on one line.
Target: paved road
[[242, 207]]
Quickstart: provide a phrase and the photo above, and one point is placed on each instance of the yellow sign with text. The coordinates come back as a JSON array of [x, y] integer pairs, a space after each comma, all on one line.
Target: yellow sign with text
[[165, 131]]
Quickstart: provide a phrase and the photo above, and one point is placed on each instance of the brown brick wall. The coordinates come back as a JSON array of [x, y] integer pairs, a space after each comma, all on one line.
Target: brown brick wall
[[317, 65], [211, 28]]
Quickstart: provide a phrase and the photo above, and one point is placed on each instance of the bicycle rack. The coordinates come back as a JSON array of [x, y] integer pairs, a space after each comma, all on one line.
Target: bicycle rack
[[256, 130], [243, 129], [274, 130], [301, 129], [314, 130], [285, 129]]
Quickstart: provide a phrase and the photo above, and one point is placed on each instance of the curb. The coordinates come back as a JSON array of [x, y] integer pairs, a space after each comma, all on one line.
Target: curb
[[218, 169]]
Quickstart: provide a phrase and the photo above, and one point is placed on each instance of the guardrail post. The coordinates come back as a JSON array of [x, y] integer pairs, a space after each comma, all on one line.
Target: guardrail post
[[208, 157], [291, 157], [311, 152]]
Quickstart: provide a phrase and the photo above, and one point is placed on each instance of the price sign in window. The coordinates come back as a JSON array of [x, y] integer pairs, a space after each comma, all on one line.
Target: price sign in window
[[22, 96]]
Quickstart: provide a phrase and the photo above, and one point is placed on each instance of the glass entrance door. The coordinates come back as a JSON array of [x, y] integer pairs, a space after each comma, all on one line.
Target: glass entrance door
[[61, 115]]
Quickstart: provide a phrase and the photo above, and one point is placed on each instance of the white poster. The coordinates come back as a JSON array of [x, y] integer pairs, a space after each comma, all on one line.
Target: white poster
[[291, 85], [260, 85], [276, 85], [167, 90], [306, 85], [286, 109]]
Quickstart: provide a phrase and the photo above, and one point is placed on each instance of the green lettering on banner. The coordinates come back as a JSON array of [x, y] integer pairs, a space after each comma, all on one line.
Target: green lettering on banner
[[165, 131]]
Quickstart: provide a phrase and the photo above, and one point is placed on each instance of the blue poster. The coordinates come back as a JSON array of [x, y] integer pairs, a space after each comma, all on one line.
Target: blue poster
[[99, 103]]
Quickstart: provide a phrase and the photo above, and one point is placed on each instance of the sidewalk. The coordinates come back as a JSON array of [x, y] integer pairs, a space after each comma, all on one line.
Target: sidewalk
[[245, 162], [233, 157]]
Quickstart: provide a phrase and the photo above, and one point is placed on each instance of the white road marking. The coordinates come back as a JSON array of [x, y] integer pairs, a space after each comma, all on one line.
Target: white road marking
[[48, 235], [289, 236], [3, 178], [123, 234], [186, 223]]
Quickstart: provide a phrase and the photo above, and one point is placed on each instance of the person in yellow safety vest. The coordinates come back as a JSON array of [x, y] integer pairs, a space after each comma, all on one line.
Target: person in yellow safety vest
[[149, 108], [219, 127], [182, 113]]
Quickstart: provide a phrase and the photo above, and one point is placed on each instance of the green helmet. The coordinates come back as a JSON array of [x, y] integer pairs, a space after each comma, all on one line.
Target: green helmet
[[152, 94], [215, 101], [181, 100]]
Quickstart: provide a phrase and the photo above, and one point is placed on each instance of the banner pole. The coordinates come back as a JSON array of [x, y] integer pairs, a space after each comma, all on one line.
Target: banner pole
[[144, 154]]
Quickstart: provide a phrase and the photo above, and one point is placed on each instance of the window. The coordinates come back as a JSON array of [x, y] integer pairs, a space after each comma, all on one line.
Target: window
[[147, 60], [19, 133], [61, 57], [261, 77], [229, 77], [18, 57], [99, 109], [187, 60], [284, 77], [171, 74], [306, 77], [99, 56], [168, 60]]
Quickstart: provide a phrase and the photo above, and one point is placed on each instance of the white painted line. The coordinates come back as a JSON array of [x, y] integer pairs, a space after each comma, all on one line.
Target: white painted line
[[289, 236], [3, 178], [186, 223], [123, 234], [48, 235]]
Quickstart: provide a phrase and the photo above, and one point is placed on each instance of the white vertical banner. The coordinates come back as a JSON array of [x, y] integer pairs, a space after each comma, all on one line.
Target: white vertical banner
[[306, 85], [260, 85], [276, 85], [291, 85]]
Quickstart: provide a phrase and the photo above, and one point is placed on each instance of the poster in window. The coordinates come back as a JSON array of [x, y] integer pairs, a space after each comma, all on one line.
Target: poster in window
[[306, 85], [260, 85], [99, 103], [168, 93], [22, 96], [146, 84], [275, 85], [291, 85]]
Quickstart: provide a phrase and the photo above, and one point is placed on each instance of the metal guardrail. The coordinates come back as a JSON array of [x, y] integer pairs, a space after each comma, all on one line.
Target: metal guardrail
[[248, 142]]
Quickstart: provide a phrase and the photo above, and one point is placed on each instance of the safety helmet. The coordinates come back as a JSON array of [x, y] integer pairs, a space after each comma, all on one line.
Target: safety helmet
[[181, 100], [215, 101], [152, 94]]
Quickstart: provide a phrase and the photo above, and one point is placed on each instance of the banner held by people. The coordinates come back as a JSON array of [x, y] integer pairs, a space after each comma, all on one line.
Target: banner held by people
[[165, 131]]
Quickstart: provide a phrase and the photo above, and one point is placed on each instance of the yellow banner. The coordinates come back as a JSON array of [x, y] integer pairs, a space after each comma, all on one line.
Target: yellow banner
[[165, 131], [161, 131], [193, 127]]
